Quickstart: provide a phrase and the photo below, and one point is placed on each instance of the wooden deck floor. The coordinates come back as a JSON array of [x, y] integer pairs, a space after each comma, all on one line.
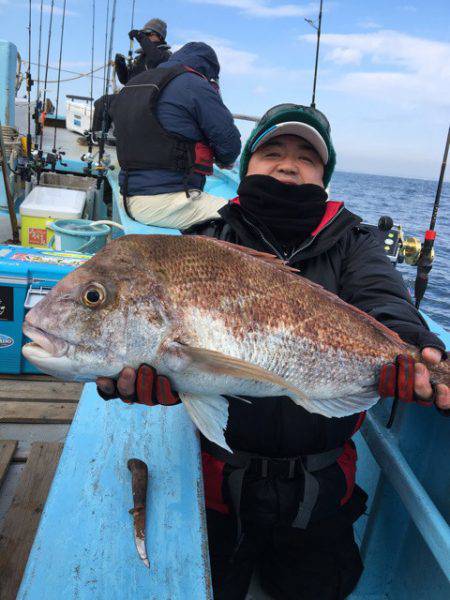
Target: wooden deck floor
[[35, 415]]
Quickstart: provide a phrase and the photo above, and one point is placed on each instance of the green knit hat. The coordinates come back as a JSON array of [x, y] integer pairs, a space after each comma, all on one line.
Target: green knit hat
[[293, 119]]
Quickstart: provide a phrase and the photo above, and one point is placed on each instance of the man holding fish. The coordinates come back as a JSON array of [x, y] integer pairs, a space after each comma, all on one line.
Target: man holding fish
[[274, 369]]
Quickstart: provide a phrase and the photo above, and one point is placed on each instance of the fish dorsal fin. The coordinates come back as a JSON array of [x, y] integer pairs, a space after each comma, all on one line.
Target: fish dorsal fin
[[271, 259]]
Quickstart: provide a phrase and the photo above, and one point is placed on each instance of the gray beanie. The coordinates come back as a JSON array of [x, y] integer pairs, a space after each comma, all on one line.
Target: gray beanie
[[156, 26]]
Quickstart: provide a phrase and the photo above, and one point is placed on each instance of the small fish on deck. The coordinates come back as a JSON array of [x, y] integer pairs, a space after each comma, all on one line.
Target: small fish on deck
[[217, 319]]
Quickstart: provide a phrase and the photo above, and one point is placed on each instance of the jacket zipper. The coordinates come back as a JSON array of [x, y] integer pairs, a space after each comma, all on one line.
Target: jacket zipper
[[264, 239], [308, 244], [285, 258]]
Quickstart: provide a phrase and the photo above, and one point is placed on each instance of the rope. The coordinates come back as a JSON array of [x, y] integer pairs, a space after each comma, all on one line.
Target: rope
[[11, 139], [79, 75]]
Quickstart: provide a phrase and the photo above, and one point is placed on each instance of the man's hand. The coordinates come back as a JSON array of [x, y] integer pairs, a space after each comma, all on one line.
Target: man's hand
[[422, 385], [133, 33], [143, 386], [410, 382], [222, 166]]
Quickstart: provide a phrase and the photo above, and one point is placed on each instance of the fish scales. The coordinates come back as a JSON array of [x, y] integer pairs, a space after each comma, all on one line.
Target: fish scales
[[217, 319]]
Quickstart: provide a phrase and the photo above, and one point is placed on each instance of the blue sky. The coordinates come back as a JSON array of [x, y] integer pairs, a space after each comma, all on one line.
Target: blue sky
[[384, 74]]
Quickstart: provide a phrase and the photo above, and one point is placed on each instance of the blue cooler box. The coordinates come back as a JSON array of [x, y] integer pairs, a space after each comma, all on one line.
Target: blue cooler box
[[26, 276]]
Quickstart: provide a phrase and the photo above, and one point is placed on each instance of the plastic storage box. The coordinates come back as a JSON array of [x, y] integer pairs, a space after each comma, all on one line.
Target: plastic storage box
[[44, 205], [26, 276], [78, 114]]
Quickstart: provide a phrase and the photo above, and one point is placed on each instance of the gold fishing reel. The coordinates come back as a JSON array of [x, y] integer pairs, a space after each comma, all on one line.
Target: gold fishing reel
[[410, 249]]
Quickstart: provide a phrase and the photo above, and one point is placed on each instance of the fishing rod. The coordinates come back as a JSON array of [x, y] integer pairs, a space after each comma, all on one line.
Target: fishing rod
[[101, 141], [46, 72], [55, 156], [425, 261], [9, 196], [103, 163], [29, 83], [88, 157], [130, 51], [36, 114], [91, 133], [318, 28]]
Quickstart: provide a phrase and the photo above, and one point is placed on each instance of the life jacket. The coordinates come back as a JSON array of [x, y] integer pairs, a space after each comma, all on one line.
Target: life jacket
[[141, 141]]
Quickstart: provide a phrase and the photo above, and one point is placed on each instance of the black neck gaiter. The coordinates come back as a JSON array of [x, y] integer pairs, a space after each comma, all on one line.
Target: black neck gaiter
[[289, 212]]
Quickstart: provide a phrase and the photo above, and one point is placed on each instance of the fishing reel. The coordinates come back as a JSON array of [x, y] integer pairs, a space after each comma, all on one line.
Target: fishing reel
[[53, 157], [398, 247]]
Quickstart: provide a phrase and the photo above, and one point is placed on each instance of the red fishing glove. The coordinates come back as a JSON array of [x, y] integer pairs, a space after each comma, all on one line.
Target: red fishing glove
[[151, 389], [397, 381]]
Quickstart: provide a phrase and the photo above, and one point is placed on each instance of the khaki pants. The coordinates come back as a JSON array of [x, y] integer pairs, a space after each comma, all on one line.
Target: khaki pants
[[175, 210]]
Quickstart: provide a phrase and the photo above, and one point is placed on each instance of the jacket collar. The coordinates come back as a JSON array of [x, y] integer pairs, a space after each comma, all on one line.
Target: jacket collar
[[336, 220]]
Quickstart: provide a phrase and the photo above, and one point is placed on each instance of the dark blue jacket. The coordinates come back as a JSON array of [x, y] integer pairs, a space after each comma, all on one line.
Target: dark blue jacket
[[190, 106]]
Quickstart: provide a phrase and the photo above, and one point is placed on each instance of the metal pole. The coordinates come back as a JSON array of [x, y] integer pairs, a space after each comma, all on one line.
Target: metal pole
[[319, 29]]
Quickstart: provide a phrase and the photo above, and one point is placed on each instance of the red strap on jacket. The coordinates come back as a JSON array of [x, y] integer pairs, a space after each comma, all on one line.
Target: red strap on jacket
[[204, 159], [213, 479]]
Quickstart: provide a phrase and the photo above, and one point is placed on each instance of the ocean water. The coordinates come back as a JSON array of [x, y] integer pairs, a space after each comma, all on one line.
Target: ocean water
[[410, 203]]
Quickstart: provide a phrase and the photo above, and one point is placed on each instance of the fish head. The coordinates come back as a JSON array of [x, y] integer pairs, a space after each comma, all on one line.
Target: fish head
[[105, 315]]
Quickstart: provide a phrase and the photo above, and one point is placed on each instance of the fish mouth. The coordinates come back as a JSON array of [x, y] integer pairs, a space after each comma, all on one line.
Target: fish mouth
[[43, 343]]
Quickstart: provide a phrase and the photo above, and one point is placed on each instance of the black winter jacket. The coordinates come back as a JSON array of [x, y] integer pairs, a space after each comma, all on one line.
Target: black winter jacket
[[151, 55], [345, 258]]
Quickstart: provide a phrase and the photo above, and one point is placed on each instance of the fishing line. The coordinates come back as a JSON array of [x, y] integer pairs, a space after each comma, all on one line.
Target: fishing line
[[92, 79], [59, 74], [46, 69]]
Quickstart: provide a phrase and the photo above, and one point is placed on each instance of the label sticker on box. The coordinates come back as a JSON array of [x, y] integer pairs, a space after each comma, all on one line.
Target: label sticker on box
[[5, 341], [37, 236], [6, 303]]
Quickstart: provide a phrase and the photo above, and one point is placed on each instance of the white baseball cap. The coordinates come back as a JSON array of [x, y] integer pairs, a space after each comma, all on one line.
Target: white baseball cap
[[302, 130]]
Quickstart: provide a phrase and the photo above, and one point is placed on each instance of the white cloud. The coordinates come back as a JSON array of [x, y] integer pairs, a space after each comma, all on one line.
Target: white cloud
[[402, 68], [57, 10], [369, 24], [345, 56], [265, 8]]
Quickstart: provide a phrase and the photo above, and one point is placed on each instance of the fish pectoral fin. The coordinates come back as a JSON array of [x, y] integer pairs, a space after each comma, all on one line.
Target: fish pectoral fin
[[210, 415], [215, 362]]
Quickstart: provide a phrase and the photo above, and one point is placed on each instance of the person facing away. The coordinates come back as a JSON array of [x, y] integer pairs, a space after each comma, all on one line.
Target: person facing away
[[171, 125], [286, 500], [153, 51]]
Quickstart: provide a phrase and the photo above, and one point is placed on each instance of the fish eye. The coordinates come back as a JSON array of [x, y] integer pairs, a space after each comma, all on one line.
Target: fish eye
[[94, 295]]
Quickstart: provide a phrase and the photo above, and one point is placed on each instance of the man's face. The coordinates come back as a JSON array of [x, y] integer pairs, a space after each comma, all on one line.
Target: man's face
[[288, 158], [154, 37]]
